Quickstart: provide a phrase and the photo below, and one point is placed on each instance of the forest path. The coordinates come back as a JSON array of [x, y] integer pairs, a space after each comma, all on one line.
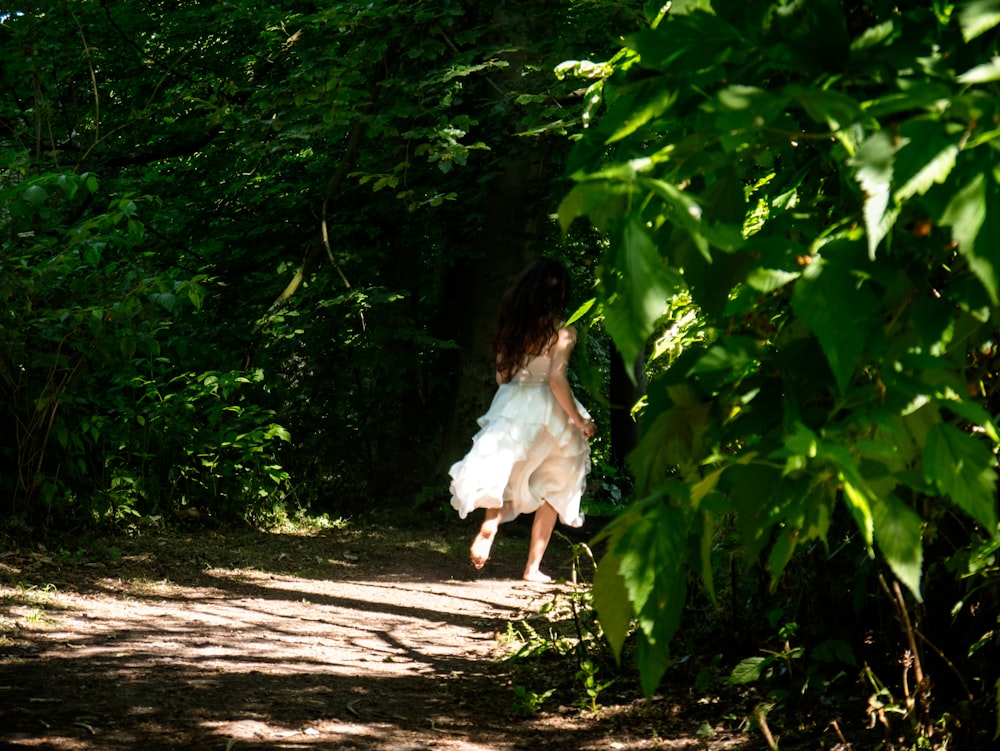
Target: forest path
[[348, 639]]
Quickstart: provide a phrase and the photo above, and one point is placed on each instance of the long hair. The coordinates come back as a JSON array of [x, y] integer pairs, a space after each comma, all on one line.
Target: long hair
[[531, 311]]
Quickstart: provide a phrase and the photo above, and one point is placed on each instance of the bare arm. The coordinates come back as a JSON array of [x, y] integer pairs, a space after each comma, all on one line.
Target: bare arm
[[559, 382]]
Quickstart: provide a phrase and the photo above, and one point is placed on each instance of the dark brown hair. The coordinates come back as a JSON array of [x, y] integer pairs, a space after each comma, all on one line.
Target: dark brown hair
[[531, 312]]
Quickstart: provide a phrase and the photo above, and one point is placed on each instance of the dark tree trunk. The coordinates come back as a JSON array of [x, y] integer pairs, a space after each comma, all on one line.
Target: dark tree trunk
[[625, 391]]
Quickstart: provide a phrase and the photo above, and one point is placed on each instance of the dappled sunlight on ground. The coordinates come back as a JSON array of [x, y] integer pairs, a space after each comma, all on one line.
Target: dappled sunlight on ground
[[386, 649]]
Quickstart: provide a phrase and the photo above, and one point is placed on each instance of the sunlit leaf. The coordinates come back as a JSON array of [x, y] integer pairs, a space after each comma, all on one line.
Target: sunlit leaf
[[873, 166], [638, 296], [983, 73], [926, 157], [978, 16]]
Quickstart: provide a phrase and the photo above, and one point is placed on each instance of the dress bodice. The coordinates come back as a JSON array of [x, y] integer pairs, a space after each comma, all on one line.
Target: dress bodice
[[536, 370]]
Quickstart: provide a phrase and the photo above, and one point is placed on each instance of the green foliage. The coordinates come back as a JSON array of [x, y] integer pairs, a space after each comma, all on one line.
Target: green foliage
[[98, 422], [301, 191], [527, 701], [587, 675], [820, 179]]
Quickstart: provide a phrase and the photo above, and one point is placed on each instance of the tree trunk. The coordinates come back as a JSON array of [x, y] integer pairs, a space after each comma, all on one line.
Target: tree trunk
[[625, 391]]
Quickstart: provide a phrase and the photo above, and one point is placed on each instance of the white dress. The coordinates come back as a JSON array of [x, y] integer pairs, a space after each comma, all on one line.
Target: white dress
[[526, 452]]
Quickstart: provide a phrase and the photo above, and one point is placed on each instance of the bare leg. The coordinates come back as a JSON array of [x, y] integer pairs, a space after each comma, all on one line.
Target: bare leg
[[480, 551], [541, 531]]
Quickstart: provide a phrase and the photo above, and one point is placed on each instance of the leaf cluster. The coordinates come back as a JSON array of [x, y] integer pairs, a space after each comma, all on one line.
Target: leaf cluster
[[820, 179]]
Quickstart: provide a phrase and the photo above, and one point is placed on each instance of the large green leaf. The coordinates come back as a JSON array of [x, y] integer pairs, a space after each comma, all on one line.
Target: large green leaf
[[982, 73], [964, 470], [966, 214], [838, 308], [614, 610], [898, 532], [598, 200], [978, 16], [653, 553], [637, 295], [926, 156], [832, 108], [686, 44], [647, 102], [674, 442]]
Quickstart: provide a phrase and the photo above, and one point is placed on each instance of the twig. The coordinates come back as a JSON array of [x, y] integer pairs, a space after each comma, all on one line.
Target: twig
[[93, 79], [919, 699], [836, 729], [761, 715]]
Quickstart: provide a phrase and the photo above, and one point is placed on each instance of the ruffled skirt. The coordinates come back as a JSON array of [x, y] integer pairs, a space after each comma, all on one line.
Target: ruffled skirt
[[526, 452]]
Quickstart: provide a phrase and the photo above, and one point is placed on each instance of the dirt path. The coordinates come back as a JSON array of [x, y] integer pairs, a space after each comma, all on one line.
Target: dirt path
[[342, 640]]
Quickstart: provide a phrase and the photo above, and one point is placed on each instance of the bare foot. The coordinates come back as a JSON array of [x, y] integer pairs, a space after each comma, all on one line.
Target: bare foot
[[479, 553], [537, 576]]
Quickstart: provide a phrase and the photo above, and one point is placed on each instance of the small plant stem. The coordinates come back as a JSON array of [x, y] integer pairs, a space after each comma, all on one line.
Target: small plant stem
[[761, 716], [836, 729], [918, 670], [919, 700]]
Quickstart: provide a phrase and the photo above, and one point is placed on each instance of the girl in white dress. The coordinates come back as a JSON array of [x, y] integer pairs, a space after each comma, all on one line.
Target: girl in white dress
[[531, 453]]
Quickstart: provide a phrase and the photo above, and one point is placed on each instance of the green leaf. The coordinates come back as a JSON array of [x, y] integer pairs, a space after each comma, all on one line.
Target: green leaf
[[982, 73], [648, 102], [734, 353], [614, 610], [637, 298], [858, 495], [926, 156], [859, 504], [964, 470], [898, 532], [35, 195], [966, 214], [838, 309], [653, 659], [768, 280], [873, 171], [674, 441], [652, 552], [978, 16], [830, 108], [598, 200], [781, 553], [748, 670]]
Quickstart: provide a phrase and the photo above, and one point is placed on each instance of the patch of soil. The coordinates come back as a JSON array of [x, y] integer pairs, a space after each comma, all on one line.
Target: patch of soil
[[344, 639]]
